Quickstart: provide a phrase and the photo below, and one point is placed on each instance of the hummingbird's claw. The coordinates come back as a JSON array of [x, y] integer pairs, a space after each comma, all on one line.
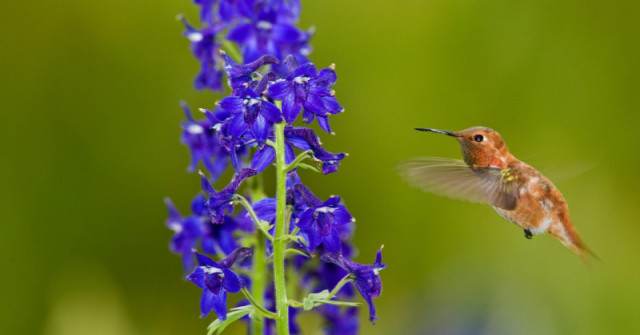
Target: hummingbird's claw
[[528, 234]]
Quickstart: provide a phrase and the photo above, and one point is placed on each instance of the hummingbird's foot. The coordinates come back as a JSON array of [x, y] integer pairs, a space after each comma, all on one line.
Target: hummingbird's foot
[[528, 234]]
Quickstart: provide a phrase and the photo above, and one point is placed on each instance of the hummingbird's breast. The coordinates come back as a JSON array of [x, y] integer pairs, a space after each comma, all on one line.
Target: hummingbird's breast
[[539, 204]]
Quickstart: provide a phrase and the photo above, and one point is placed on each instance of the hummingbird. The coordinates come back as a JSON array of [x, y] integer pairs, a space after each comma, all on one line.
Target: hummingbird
[[490, 174]]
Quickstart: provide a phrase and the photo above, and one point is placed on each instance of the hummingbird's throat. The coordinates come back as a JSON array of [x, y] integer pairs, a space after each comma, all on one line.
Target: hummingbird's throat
[[484, 160]]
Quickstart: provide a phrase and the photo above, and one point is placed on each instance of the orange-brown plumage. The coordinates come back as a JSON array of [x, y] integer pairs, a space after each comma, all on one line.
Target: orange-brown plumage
[[491, 174]]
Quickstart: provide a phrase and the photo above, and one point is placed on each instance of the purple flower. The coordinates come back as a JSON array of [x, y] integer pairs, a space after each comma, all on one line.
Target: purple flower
[[249, 111], [306, 139], [308, 89], [205, 48], [366, 277], [319, 222], [268, 31], [222, 201], [215, 279], [240, 75], [206, 10], [200, 137], [186, 234], [219, 238]]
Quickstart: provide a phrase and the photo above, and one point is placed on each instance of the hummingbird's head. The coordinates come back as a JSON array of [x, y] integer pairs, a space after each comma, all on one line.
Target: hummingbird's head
[[480, 145]]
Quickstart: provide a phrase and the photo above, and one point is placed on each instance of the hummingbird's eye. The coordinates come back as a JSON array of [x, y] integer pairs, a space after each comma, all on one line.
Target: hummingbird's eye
[[478, 138]]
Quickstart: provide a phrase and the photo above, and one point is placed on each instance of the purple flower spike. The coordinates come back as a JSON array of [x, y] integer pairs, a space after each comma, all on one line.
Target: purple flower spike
[[272, 82], [215, 279], [222, 201], [319, 221], [305, 88], [366, 277]]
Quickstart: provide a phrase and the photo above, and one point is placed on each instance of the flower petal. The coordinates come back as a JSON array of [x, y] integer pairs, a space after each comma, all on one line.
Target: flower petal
[[241, 33], [231, 104], [219, 302], [174, 214], [206, 186], [197, 277], [289, 154], [260, 129], [204, 260], [232, 282], [332, 242], [341, 216], [306, 219], [206, 303], [326, 78], [308, 196], [265, 209], [291, 108], [279, 90], [286, 33], [323, 121], [263, 158], [237, 126], [235, 256], [331, 105], [271, 112]]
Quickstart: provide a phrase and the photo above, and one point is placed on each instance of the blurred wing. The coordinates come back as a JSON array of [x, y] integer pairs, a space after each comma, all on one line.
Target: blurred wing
[[454, 179]]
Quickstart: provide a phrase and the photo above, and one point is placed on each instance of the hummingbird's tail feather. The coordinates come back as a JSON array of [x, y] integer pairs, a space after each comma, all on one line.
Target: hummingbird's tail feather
[[568, 236]]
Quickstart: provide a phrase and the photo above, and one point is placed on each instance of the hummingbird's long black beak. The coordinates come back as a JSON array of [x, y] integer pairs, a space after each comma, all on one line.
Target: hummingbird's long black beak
[[438, 131]]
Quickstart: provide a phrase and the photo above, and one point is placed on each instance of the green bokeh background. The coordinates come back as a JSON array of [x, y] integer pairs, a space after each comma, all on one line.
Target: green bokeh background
[[89, 142]]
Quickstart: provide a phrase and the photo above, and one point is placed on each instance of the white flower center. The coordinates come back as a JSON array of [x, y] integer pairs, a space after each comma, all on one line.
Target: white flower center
[[253, 101], [325, 210], [301, 79], [195, 37], [176, 227], [266, 25], [195, 129], [211, 270]]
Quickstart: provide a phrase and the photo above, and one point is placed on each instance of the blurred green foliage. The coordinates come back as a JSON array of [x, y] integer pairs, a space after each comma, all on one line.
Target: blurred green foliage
[[90, 125]]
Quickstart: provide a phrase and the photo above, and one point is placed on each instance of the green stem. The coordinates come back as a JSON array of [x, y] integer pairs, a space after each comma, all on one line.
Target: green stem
[[258, 306], [304, 155], [258, 280], [279, 244], [339, 285], [245, 203]]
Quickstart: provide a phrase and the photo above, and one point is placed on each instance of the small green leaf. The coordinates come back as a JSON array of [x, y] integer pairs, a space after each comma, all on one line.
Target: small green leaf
[[309, 167], [301, 240], [338, 303], [255, 316], [320, 295], [307, 304], [310, 300], [264, 224], [217, 326], [296, 252]]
